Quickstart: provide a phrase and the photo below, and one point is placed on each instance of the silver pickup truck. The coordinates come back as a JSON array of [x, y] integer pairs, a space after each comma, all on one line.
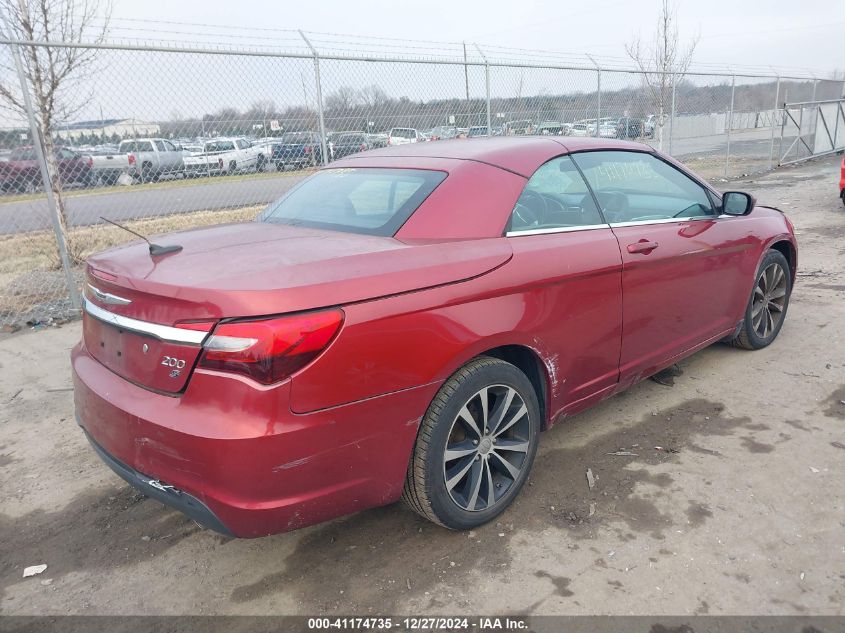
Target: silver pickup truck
[[145, 159]]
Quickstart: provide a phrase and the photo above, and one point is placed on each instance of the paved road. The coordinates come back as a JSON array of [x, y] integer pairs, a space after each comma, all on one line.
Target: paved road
[[127, 202], [220, 193]]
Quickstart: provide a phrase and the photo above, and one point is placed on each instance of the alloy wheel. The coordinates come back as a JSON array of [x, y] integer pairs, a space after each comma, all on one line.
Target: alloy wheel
[[487, 448], [769, 300]]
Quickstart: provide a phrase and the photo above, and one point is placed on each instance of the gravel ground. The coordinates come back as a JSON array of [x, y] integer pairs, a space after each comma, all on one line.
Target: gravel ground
[[740, 513]]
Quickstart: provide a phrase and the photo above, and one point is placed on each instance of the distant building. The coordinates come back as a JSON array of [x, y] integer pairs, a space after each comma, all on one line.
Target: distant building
[[124, 128]]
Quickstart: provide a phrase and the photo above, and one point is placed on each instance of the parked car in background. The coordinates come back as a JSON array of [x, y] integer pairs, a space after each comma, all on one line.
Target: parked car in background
[[264, 147], [404, 135], [300, 149], [477, 130], [346, 143], [628, 127], [144, 158], [361, 342], [522, 126], [377, 140], [552, 128], [222, 156], [443, 132], [579, 129], [22, 173], [607, 129]]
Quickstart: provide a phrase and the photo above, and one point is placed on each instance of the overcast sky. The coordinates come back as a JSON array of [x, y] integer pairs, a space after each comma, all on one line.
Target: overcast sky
[[809, 34]]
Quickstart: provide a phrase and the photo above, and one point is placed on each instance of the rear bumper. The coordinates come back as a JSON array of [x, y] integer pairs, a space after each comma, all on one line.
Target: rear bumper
[[244, 464], [177, 499]]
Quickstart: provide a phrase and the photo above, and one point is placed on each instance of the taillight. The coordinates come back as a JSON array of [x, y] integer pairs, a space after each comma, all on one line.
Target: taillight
[[270, 350], [307, 149], [90, 162], [131, 159], [220, 163], [363, 146]]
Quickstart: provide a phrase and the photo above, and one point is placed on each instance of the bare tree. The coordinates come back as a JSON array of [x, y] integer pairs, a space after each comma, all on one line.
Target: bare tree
[[343, 99], [51, 71], [664, 58]]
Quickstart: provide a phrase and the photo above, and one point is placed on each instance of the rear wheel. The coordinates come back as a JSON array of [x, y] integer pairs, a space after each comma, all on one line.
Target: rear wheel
[[475, 446], [233, 167], [767, 305], [842, 195], [261, 163]]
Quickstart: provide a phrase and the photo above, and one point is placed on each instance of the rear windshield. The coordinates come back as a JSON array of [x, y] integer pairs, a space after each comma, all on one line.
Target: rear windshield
[[219, 146], [135, 146], [403, 132], [361, 200]]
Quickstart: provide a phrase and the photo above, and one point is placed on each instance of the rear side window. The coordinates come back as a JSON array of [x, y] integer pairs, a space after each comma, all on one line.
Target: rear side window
[[555, 197], [361, 200]]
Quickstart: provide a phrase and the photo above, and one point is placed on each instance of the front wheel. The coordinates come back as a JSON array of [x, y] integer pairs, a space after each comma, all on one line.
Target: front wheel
[[766, 309], [475, 446]]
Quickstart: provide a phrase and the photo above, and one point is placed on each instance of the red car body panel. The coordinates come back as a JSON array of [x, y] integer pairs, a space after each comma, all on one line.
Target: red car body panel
[[337, 435], [842, 181], [287, 269]]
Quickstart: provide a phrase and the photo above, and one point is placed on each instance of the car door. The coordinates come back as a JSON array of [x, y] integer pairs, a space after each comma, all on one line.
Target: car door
[[572, 268], [681, 280], [248, 153]]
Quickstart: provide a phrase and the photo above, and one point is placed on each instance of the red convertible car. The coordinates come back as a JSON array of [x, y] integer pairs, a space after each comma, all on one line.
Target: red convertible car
[[405, 323]]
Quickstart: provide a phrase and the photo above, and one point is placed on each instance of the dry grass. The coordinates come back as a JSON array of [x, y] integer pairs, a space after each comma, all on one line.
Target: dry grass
[[29, 270]]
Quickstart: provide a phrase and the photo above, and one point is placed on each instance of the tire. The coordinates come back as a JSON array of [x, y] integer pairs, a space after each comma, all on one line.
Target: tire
[[767, 306], [280, 166], [146, 172], [842, 195], [261, 163], [465, 505], [233, 168]]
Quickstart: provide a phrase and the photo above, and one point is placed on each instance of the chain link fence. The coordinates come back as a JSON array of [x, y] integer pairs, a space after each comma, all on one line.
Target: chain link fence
[[163, 138]]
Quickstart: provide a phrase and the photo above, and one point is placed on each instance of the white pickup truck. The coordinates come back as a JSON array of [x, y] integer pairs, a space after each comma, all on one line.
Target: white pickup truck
[[144, 158], [222, 156]]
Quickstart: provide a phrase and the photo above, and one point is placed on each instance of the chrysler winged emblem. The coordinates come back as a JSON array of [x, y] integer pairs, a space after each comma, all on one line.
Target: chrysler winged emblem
[[107, 297]]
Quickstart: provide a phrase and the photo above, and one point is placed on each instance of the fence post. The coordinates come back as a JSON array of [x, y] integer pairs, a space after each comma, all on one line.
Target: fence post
[[598, 93], [38, 146], [672, 112], [729, 125], [487, 88], [774, 115], [323, 148], [815, 85]]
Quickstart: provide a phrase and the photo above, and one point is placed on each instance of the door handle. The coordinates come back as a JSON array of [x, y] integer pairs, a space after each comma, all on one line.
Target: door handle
[[643, 246]]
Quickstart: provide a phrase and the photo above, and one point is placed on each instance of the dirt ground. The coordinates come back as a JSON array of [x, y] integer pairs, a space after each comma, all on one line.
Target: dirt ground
[[741, 512]]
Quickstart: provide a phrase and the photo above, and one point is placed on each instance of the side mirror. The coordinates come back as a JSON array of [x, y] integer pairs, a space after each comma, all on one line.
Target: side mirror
[[737, 203]]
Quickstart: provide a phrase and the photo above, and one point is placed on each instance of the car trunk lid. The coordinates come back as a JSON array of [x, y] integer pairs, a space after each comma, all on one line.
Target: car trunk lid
[[146, 317]]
